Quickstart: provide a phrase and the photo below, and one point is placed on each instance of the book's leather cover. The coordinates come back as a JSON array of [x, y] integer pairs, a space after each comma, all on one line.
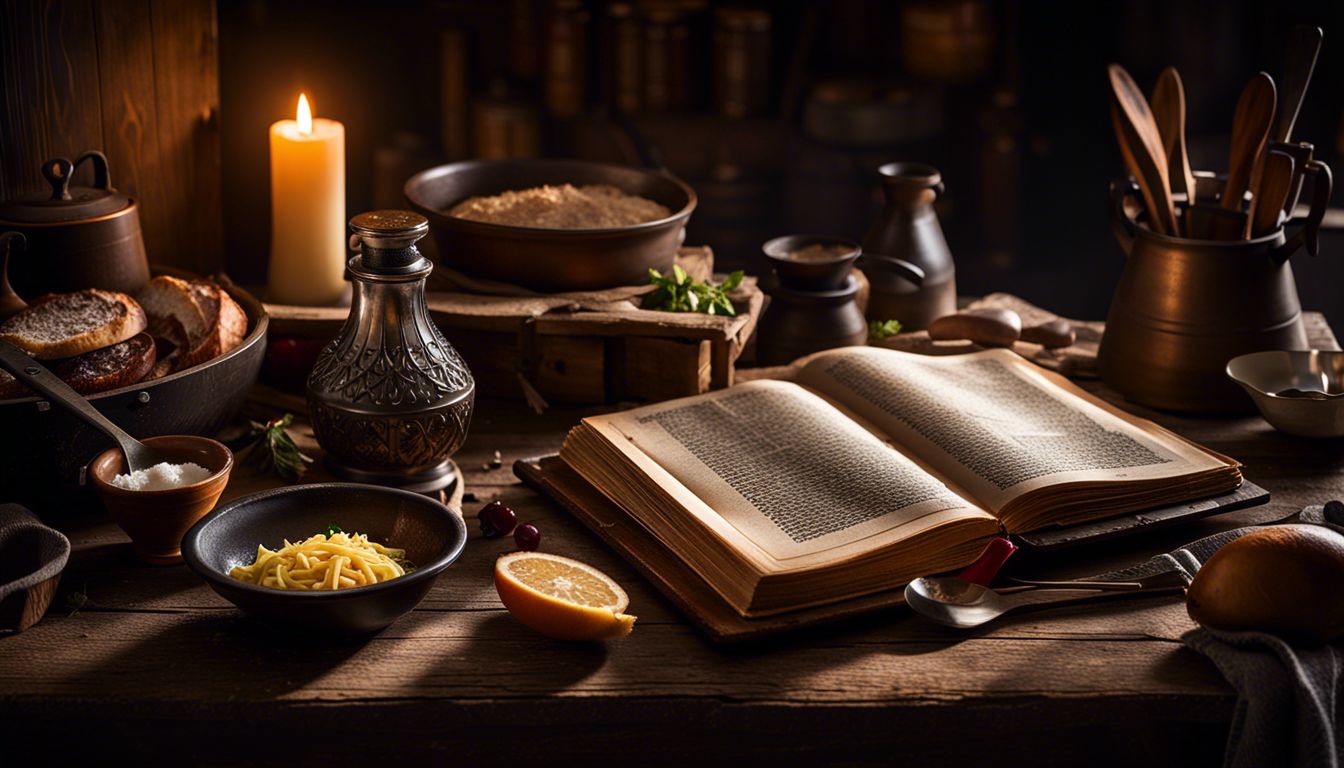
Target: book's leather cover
[[722, 623]]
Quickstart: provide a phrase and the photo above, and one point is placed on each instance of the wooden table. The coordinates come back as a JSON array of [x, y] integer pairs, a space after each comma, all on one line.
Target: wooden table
[[157, 665]]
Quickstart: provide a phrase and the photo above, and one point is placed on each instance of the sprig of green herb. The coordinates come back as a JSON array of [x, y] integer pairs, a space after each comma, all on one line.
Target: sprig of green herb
[[679, 292], [272, 449], [76, 600], [333, 529], [881, 329]]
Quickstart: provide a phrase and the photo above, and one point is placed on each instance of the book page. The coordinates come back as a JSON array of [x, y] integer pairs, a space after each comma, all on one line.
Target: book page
[[997, 425], [788, 470]]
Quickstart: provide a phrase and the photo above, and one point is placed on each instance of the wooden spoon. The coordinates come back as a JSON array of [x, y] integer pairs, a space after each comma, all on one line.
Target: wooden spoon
[[1141, 146], [1250, 129], [1275, 182], [1169, 113], [1304, 43]]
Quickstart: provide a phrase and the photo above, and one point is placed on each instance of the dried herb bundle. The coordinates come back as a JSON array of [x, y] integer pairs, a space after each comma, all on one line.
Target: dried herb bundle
[[271, 449]]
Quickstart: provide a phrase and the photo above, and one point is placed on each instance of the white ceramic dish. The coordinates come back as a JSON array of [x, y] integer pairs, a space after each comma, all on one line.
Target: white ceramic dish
[[1264, 375]]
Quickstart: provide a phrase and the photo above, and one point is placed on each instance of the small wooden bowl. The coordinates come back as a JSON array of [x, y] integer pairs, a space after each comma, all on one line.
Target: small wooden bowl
[[156, 521]]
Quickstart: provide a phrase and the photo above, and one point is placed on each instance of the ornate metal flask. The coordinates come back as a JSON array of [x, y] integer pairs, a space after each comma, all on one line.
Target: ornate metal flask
[[390, 399]]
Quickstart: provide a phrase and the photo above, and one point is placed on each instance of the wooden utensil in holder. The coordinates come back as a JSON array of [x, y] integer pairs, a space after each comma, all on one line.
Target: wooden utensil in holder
[[1184, 307]]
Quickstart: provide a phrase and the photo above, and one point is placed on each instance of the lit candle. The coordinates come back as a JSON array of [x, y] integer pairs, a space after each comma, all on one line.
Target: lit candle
[[308, 241]]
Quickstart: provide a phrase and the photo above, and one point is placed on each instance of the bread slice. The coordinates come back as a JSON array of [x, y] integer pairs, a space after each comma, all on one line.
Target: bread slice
[[170, 297], [227, 323], [98, 371], [74, 323], [109, 367], [171, 346]]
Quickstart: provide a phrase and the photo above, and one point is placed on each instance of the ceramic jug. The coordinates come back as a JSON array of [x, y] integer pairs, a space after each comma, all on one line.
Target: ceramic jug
[[1185, 307], [907, 229]]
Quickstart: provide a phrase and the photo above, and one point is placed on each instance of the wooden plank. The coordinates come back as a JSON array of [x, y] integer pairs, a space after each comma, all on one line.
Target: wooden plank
[[130, 125], [49, 89], [159, 657], [186, 87]]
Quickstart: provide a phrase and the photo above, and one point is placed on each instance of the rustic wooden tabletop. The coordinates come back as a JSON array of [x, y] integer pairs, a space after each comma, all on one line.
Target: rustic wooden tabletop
[[159, 666]]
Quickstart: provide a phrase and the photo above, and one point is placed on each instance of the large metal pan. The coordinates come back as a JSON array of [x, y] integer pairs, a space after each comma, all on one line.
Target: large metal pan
[[43, 450], [550, 259]]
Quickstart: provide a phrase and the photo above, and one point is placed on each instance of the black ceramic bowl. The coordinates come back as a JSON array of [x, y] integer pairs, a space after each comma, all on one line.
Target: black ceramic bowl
[[826, 274], [431, 534]]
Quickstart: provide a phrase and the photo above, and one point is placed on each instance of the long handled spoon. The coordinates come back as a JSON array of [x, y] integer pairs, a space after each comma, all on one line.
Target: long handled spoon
[[1141, 146], [956, 603], [39, 378], [1250, 129], [1276, 180], [1304, 43], [1169, 113]]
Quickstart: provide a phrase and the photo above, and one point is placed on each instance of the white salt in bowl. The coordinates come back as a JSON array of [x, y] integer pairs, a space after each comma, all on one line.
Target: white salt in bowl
[[156, 520]]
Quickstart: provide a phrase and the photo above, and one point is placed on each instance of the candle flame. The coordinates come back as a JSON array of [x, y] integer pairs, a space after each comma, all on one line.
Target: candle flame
[[305, 116]]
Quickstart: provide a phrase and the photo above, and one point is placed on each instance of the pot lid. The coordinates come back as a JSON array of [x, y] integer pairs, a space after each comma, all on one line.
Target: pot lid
[[64, 202]]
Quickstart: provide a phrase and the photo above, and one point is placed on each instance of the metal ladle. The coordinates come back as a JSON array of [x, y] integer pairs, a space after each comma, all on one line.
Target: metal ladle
[[39, 378], [961, 604]]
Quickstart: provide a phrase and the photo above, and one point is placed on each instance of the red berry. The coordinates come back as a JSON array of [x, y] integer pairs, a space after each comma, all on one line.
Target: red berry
[[527, 537], [496, 519]]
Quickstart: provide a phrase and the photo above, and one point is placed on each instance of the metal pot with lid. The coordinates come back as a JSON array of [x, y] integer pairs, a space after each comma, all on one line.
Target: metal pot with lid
[[77, 237]]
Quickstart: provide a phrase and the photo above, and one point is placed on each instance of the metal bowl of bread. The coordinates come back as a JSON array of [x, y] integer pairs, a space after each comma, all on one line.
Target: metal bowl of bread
[[177, 358], [553, 225]]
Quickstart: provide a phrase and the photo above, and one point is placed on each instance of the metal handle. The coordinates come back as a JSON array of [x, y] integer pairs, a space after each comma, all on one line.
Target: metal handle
[[57, 172], [892, 264], [38, 377], [1310, 233], [1158, 582], [102, 177], [1122, 226]]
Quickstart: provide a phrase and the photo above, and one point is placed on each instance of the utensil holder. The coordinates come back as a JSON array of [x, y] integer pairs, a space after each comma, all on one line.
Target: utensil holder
[[1184, 307]]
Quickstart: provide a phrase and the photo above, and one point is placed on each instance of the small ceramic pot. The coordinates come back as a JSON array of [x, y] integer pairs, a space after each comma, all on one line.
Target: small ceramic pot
[[821, 275], [156, 521]]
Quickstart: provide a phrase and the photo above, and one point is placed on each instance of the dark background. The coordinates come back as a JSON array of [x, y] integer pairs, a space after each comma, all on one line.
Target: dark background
[[1008, 99]]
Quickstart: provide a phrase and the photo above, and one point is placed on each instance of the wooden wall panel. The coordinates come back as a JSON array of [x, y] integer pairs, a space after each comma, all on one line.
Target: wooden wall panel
[[137, 79]]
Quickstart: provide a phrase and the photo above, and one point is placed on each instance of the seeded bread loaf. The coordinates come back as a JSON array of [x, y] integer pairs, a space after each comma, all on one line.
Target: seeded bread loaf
[[74, 323]]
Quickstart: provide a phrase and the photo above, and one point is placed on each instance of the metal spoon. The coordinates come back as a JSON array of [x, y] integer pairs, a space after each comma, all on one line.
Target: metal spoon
[[949, 600], [38, 377]]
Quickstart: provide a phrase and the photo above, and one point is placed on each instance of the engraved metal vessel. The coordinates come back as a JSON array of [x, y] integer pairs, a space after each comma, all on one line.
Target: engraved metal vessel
[[390, 399]]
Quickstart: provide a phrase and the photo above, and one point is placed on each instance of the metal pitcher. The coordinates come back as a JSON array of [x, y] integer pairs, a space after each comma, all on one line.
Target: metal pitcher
[[1184, 307]]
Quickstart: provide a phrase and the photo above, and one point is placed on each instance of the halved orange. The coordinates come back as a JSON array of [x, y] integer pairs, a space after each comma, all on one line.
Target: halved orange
[[562, 598]]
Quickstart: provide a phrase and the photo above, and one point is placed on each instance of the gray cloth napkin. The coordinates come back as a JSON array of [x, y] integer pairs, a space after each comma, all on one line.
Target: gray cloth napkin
[[1286, 693], [1286, 696], [19, 527]]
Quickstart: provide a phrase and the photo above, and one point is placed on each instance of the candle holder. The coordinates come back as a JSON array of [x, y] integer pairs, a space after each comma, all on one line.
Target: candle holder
[[390, 399]]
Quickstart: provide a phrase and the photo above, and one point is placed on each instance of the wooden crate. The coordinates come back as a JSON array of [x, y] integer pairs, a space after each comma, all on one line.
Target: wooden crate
[[576, 348]]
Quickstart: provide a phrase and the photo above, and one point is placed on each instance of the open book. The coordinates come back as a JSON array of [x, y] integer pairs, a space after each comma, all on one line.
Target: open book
[[875, 467]]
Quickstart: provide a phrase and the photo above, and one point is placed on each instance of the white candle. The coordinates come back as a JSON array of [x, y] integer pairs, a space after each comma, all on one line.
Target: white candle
[[308, 240]]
